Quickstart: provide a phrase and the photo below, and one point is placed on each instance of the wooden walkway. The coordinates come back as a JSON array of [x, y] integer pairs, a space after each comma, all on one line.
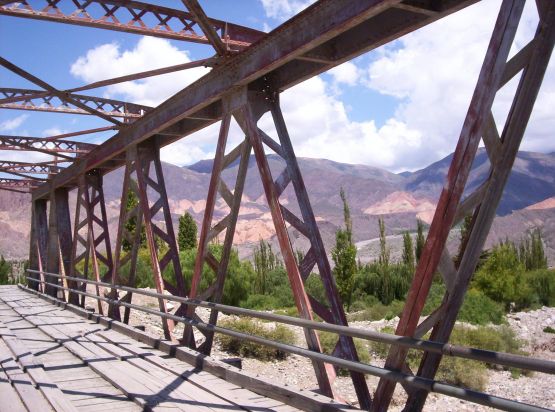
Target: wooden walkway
[[53, 359]]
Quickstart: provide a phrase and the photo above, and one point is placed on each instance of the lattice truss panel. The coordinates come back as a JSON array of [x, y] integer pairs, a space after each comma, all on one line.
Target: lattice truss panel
[[91, 248], [528, 66], [133, 17], [144, 177], [246, 108], [46, 101]]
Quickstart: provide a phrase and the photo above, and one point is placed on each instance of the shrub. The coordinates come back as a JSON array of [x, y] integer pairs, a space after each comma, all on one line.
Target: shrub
[[328, 341], [542, 283], [458, 371], [548, 329], [250, 349], [502, 278], [378, 311]]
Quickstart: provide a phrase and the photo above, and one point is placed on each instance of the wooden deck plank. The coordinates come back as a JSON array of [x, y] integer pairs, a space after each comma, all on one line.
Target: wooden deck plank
[[9, 396]]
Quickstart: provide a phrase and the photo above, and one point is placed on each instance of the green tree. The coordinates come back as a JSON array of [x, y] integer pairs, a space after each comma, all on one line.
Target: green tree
[[5, 269], [465, 232], [408, 252], [265, 261], [383, 259], [187, 233], [502, 277], [419, 246], [131, 224], [344, 255]]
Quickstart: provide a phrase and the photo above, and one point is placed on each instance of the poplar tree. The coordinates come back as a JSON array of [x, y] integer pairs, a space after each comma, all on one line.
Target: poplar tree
[[187, 233], [131, 202], [419, 247], [408, 252], [344, 255]]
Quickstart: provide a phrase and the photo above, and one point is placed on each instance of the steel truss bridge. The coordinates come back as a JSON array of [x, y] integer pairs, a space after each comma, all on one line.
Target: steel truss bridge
[[249, 70]]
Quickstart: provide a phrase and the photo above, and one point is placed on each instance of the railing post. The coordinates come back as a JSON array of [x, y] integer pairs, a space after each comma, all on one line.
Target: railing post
[[38, 241]]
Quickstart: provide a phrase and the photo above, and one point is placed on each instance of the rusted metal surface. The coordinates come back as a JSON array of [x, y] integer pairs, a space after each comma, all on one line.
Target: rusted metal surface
[[151, 178], [244, 86], [131, 17], [58, 148], [345, 347], [23, 168], [46, 101], [18, 185], [38, 241]]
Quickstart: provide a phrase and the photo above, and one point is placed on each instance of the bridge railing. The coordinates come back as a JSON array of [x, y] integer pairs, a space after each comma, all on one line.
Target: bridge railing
[[430, 385]]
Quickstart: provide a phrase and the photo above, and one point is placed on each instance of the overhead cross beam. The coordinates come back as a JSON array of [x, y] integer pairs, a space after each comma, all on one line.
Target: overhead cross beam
[[132, 17], [66, 97], [17, 185], [44, 101], [23, 169], [45, 145]]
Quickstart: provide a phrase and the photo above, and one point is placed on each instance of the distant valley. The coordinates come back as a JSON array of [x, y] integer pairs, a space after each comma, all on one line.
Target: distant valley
[[373, 193]]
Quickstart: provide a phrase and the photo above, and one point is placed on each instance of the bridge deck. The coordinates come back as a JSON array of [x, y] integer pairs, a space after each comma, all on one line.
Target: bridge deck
[[53, 359]]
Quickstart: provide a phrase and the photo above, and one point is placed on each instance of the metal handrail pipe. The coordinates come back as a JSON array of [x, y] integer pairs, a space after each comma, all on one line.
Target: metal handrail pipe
[[417, 382], [447, 349]]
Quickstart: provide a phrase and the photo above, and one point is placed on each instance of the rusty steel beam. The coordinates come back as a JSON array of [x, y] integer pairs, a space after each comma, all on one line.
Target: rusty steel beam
[[45, 145], [208, 29], [43, 101], [337, 34], [18, 185], [142, 75], [133, 238], [133, 17], [82, 132], [44, 168], [65, 97], [38, 241]]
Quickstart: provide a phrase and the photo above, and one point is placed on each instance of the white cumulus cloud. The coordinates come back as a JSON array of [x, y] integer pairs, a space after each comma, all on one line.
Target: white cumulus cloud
[[434, 70], [282, 10], [108, 60], [12, 124]]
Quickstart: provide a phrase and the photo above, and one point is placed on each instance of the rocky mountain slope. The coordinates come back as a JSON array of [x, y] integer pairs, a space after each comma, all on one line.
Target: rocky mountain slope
[[373, 193]]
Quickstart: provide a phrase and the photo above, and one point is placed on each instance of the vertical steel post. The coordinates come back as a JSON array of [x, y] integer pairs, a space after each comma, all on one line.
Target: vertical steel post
[[59, 237], [38, 241], [247, 119], [121, 258], [148, 154]]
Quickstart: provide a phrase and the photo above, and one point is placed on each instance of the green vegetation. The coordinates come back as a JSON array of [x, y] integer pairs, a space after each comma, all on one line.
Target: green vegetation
[[131, 224], [517, 278], [328, 341], [548, 329], [5, 270], [458, 371], [344, 256], [187, 233], [248, 349]]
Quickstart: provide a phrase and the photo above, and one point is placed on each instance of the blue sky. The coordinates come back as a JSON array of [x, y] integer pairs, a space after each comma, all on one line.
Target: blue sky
[[399, 107]]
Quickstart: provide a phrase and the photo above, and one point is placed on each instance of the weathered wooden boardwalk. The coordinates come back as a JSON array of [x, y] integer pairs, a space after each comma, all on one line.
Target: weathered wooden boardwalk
[[53, 359]]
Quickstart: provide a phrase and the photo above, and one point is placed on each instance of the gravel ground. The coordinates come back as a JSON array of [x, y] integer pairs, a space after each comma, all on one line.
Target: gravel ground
[[537, 389]]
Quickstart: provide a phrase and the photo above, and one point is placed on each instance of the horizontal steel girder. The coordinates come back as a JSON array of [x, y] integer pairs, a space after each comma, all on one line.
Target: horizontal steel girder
[[328, 32], [22, 167], [17, 185], [44, 145], [132, 17], [40, 100]]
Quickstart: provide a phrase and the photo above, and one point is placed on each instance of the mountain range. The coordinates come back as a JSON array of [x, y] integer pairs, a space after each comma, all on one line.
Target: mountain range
[[528, 201]]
